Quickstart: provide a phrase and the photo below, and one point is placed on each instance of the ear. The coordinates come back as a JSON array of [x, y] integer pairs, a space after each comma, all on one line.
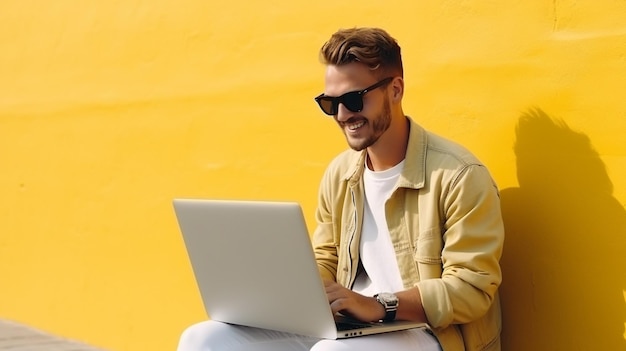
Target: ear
[[397, 89]]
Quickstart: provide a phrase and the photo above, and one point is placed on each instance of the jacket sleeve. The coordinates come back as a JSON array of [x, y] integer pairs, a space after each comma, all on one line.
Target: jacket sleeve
[[324, 245], [473, 236]]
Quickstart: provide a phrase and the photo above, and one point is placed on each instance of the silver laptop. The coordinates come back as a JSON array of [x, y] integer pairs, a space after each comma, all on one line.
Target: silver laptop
[[254, 265]]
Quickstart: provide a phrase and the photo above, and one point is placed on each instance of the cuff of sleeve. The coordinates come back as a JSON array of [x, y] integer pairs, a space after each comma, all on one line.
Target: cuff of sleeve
[[436, 302], [325, 274]]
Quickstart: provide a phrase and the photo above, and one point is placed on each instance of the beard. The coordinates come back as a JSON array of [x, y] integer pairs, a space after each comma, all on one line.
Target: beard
[[379, 126]]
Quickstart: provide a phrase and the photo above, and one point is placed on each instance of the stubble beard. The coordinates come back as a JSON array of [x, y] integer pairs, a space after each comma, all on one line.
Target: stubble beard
[[379, 126]]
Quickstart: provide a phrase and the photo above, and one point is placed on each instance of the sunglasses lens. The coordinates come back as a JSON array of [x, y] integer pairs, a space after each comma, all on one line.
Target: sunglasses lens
[[326, 105], [353, 101]]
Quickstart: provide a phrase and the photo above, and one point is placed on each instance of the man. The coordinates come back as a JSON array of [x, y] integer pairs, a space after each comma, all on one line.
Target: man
[[409, 224]]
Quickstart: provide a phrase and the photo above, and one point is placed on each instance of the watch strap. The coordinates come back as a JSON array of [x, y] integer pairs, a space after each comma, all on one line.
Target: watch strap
[[390, 307]]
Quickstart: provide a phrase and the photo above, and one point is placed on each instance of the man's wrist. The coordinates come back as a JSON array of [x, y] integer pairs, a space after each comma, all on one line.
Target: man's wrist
[[390, 303], [381, 312]]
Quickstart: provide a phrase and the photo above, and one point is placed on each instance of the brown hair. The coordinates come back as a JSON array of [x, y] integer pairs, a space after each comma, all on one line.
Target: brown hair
[[373, 47]]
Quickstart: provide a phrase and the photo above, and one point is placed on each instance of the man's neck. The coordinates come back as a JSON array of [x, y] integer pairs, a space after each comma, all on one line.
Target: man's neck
[[390, 149]]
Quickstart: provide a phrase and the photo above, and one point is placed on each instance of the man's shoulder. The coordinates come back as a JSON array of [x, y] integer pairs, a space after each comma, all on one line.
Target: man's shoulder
[[436, 150], [444, 149]]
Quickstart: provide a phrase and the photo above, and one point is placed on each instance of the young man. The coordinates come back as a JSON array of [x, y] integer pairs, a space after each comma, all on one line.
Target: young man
[[409, 224]]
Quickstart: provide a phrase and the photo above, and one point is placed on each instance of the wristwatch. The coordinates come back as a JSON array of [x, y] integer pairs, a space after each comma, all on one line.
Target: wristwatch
[[390, 303]]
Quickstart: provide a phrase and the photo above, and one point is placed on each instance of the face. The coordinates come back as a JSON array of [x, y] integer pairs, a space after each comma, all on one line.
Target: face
[[361, 129]]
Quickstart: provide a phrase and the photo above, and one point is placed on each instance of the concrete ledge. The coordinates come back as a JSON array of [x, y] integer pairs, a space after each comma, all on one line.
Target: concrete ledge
[[18, 337]]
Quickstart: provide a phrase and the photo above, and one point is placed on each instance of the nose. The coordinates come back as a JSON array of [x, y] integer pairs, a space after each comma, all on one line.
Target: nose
[[343, 114]]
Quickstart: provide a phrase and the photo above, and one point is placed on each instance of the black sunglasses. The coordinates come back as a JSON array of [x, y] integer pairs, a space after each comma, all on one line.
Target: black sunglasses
[[352, 100]]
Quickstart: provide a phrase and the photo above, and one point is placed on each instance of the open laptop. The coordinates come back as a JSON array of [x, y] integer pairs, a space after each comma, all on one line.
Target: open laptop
[[254, 265]]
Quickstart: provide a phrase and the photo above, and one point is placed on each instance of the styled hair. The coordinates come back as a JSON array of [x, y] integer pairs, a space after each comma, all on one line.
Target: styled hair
[[373, 47]]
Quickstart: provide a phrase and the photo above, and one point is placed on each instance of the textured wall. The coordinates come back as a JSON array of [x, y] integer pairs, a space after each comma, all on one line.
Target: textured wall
[[109, 109]]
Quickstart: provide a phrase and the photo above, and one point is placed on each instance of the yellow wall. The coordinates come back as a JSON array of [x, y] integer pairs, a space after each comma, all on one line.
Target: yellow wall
[[109, 109]]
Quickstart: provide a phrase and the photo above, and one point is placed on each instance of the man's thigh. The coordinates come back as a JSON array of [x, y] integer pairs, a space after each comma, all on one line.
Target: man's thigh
[[217, 336]]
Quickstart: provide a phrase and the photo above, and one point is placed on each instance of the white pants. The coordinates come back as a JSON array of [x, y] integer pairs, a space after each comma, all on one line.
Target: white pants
[[217, 336]]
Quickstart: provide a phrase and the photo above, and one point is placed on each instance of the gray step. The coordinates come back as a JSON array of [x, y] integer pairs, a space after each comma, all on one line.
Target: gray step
[[19, 337]]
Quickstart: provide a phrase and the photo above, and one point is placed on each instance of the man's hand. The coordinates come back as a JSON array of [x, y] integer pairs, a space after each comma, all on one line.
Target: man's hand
[[352, 304]]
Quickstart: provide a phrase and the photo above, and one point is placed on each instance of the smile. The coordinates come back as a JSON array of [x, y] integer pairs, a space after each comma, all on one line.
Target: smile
[[355, 126]]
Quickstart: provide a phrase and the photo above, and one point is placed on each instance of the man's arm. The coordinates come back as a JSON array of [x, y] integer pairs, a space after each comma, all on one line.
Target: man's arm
[[367, 309], [473, 235]]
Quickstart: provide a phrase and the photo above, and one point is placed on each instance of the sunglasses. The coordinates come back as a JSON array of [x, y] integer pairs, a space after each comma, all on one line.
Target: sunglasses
[[352, 100]]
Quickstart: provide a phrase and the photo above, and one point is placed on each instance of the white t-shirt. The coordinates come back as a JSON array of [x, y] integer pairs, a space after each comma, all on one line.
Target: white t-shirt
[[381, 272]]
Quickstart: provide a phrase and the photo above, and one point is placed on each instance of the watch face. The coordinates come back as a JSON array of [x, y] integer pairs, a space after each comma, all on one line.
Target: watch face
[[390, 302], [388, 298]]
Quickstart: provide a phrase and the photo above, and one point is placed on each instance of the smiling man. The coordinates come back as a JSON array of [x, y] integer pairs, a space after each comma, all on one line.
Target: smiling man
[[408, 223], [405, 214]]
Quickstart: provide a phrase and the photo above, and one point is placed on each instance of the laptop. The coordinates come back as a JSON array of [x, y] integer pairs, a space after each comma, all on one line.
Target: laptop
[[254, 266]]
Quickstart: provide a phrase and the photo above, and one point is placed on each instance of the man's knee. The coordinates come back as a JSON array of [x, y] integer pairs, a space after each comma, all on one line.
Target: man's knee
[[329, 345], [194, 336]]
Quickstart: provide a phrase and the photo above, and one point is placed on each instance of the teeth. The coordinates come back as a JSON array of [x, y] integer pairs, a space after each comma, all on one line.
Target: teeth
[[356, 126]]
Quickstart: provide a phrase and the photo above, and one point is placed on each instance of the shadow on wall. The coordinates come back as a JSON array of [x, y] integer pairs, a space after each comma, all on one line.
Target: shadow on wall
[[565, 254]]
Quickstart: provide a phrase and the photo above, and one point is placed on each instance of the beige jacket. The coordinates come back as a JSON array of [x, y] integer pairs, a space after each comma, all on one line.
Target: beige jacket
[[445, 224]]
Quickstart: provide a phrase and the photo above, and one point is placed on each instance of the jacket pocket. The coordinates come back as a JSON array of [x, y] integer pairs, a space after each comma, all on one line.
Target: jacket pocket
[[428, 253]]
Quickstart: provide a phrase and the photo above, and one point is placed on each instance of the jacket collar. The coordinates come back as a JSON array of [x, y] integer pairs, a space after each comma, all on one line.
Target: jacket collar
[[412, 175]]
